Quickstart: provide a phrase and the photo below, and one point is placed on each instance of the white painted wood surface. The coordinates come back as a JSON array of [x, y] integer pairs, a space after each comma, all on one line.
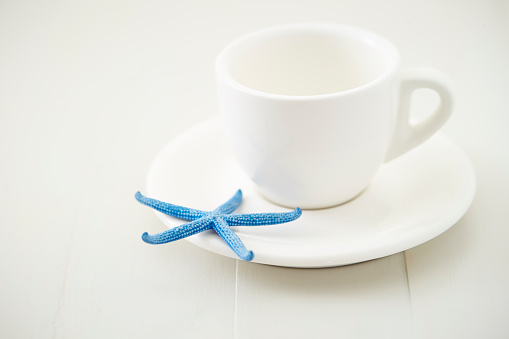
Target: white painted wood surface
[[91, 90]]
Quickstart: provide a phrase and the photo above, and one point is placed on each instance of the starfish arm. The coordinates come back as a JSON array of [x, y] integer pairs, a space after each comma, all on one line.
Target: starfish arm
[[178, 232], [169, 209], [231, 204], [259, 219], [225, 232]]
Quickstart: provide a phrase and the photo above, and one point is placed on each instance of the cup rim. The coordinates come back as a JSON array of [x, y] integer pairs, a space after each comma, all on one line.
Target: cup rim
[[223, 73]]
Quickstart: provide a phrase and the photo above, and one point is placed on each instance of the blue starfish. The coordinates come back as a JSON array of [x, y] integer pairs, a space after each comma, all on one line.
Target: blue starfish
[[219, 220]]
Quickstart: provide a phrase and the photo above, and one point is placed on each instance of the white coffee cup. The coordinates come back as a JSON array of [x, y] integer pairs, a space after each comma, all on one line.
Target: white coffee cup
[[313, 110]]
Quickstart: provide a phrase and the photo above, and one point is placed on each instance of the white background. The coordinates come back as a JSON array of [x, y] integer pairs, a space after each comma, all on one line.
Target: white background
[[91, 90]]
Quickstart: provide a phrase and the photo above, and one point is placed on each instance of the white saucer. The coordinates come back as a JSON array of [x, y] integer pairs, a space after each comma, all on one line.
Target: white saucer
[[410, 201]]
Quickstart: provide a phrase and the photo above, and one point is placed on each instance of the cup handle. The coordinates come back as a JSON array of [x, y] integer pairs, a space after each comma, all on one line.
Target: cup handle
[[407, 135]]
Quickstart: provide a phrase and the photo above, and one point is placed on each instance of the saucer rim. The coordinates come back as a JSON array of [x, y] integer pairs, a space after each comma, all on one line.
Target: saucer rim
[[328, 256]]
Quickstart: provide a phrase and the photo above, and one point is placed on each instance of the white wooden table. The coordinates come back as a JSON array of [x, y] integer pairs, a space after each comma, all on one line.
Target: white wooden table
[[91, 90]]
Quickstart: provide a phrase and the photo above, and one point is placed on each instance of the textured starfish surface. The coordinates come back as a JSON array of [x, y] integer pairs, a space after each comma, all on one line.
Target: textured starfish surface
[[219, 220]]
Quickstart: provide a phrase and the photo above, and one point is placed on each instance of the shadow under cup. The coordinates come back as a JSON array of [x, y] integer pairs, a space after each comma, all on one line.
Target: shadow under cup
[[296, 101]]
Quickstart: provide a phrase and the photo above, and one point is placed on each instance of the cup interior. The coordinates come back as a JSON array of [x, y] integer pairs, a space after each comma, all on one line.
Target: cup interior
[[306, 60]]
